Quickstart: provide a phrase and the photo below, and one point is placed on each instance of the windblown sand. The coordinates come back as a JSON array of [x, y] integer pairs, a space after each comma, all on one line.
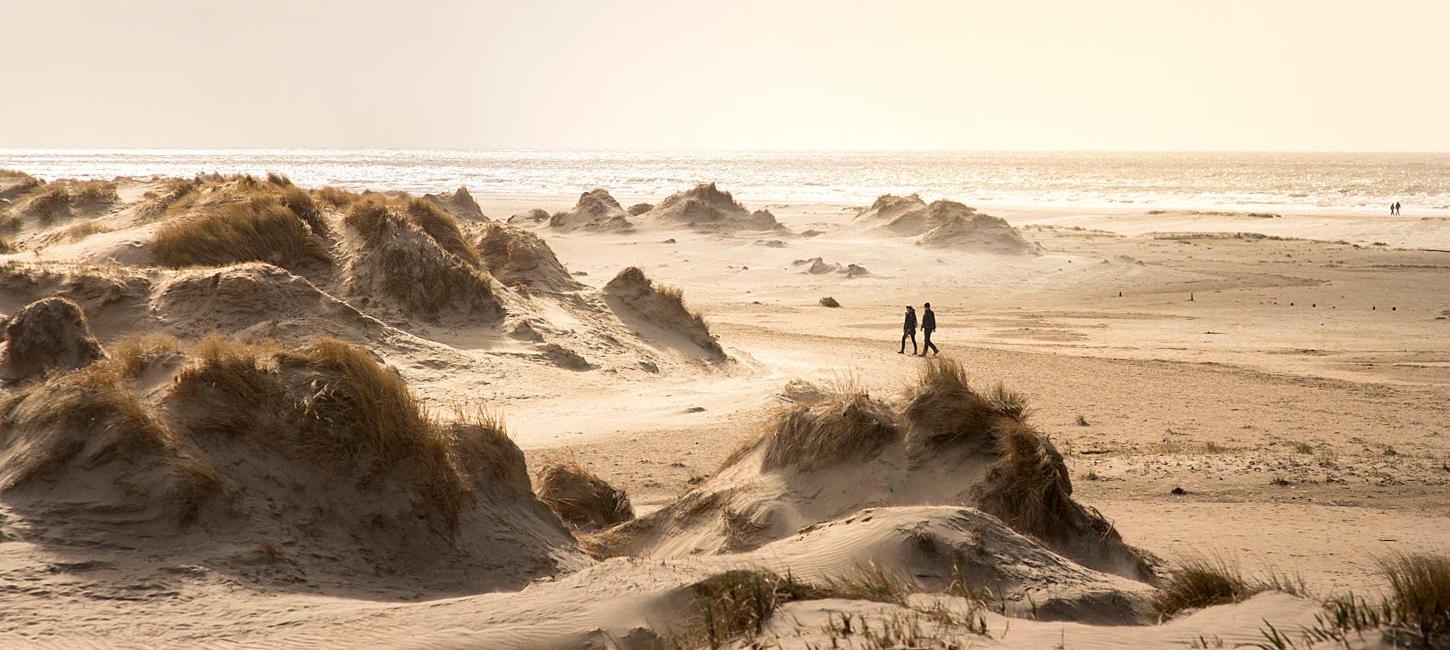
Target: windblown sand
[[1275, 390]]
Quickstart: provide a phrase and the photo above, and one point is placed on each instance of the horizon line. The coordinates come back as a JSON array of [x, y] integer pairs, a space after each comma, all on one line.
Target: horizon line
[[709, 150]]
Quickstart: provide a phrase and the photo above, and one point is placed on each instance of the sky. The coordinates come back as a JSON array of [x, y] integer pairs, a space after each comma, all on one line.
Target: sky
[[1321, 75]]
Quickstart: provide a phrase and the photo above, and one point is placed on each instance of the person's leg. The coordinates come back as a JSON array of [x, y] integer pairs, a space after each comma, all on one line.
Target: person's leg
[[928, 345], [912, 333], [903, 343]]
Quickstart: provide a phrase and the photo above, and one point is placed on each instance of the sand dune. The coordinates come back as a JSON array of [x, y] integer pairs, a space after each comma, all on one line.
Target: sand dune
[[945, 443], [942, 224], [237, 412], [706, 207], [596, 210]]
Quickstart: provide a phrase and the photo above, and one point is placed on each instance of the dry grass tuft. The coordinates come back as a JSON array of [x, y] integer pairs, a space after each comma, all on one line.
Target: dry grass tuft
[[483, 449], [180, 194], [367, 216], [519, 258], [132, 356], [235, 388], [93, 194], [581, 499], [337, 197], [49, 203], [1420, 594], [300, 203], [443, 228], [260, 230], [83, 230], [871, 581], [1028, 487], [90, 417], [737, 603], [61, 198], [398, 259], [280, 180], [362, 414], [331, 405], [944, 411], [1198, 582], [848, 426], [1415, 614]]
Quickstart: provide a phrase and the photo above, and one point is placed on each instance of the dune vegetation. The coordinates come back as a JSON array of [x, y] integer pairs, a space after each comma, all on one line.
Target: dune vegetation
[[256, 230], [62, 199], [847, 426], [581, 499], [397, 258], [443, 228]]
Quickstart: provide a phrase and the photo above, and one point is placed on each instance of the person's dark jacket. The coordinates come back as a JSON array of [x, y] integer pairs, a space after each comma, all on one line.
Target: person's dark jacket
[[910, 324], [928, 320]]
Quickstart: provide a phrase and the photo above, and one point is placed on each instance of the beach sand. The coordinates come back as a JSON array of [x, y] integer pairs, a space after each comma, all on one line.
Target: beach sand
[[1274, 390]]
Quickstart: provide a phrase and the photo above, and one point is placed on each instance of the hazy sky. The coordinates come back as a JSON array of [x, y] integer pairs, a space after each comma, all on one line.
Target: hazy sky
[[772, 74]]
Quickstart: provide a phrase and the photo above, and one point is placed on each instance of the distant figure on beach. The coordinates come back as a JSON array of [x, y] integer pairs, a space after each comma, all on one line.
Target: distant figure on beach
[[908, 329], [928, 325], [1396, 209]]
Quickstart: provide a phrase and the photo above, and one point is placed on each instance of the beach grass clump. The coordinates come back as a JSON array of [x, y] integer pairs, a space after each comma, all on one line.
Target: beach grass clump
[[83, 230], [363, 414], [1419, 595], [848, 426], [367, 217], [1414, 614], [330, 404], [582, 500], [63, 198], [442, 227], [177, 195], [944, 411], [1028, 487], [300, 203], [88, 418], [482, 449], [49, 335], [1197, 582], [49, 203], [256, 230], [873, 582], [336, 197], [89, 194], [737, 603], [397, 258], [134, 355]]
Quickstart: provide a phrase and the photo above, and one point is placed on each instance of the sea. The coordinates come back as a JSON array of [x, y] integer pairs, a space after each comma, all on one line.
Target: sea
[[1309, 182]]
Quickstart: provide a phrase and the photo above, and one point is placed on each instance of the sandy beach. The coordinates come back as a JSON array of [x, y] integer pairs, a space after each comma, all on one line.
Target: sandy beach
[[1270, 390]]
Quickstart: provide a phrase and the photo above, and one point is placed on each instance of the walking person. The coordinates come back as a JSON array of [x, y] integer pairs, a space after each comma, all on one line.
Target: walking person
[[1397, 207], [908, 329], [928, 325]]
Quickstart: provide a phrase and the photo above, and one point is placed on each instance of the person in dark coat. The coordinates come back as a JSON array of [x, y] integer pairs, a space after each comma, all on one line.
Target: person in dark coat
[[908, 329], [928, 325]]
